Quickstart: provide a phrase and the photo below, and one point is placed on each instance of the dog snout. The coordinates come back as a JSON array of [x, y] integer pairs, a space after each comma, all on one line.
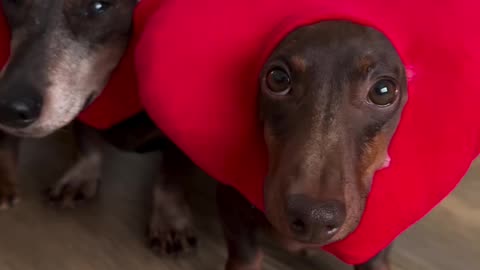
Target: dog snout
[[314, 221], [20, 111]]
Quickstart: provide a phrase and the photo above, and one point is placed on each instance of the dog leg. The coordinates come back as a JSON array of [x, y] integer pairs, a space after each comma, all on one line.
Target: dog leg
[[8, 163], [171, 229], [240, 223], [80, 182], [379, 262]]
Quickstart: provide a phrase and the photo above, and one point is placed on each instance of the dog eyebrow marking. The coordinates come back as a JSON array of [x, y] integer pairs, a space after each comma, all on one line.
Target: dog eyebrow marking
[[298, 63], [365, 64]]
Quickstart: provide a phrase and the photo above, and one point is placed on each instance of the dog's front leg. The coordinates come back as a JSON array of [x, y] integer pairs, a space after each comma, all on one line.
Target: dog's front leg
[[171, 230], [80, 182], [240, 224], [379, 262], [8, 164]]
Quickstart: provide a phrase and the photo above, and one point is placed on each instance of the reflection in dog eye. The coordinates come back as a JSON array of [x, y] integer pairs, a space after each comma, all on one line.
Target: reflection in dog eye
[[278, 81], [98, 7], [383, 93]]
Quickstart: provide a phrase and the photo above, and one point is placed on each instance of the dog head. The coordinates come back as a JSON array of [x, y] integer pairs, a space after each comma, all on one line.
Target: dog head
[[331, 98], [62, 55]]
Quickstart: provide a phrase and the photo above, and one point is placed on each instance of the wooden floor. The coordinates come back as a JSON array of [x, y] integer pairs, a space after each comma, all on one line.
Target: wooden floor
[[108, 234]]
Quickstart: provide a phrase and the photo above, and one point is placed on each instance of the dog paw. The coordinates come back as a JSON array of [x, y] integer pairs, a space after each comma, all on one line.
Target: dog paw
[[69, 194], [8, 196], [172, 242]]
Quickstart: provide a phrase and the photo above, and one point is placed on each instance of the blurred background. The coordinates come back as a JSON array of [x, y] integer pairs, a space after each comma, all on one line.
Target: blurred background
[[109, 232]]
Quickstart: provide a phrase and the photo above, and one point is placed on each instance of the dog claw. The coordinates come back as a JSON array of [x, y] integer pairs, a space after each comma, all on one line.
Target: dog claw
[[173, 243], [8, 203], [8, 199], [68, 196]]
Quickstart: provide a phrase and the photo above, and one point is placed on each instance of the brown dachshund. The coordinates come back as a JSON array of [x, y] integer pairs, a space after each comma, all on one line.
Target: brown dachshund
[[331, 96]]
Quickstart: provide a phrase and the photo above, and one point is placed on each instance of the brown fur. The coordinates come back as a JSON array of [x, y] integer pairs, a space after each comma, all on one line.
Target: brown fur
[[171, 231], [325, 136], [80, 182]]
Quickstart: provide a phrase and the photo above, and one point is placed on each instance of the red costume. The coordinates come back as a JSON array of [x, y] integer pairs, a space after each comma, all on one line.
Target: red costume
[[198, 63]]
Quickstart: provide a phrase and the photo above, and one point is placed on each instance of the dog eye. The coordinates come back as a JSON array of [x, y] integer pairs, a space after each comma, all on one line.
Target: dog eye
[[278, 81], [383, 93], [98, 7]]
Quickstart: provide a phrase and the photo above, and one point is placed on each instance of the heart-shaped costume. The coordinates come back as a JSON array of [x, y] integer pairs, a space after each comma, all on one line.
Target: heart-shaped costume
[[197, 65]]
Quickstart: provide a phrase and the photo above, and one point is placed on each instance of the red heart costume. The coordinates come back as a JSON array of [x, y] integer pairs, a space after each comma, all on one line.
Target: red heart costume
[[198, 62]]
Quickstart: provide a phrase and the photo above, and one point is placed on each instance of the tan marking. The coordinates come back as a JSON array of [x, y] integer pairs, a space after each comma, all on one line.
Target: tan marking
[[375, 155], [299, 63], [356, 193], [365, 64]]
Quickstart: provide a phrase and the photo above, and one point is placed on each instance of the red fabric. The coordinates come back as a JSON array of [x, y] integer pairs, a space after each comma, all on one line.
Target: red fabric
[[4, 40], [198, 64]]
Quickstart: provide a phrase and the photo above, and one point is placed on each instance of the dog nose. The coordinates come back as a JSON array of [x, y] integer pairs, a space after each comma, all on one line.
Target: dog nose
[[314, 221], [20, 112]]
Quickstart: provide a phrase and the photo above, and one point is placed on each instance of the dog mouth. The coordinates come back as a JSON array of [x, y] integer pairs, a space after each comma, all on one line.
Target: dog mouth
[[88, 101], [35, 133], [306, 241]]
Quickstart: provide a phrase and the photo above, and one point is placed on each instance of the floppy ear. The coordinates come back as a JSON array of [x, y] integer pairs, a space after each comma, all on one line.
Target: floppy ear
[[4, 39]]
